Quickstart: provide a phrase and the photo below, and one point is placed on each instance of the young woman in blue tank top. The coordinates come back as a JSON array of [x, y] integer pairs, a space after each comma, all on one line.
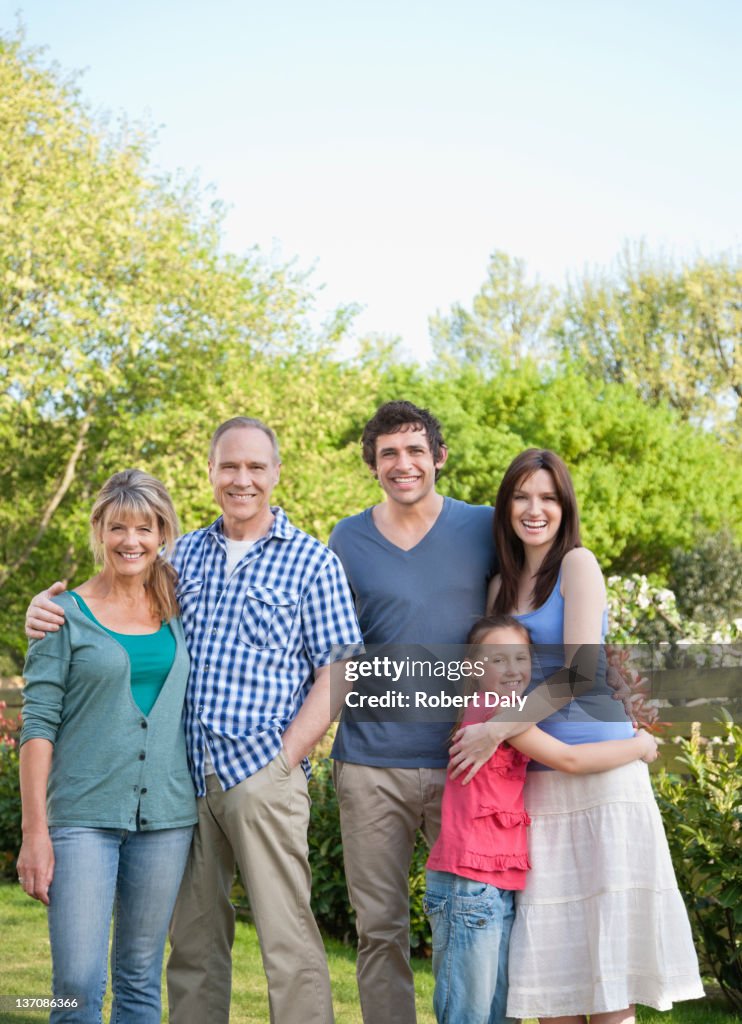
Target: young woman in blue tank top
[[600, 925]]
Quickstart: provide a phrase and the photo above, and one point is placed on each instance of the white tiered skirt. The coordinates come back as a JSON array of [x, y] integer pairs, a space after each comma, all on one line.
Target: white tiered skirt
[[601, 923]]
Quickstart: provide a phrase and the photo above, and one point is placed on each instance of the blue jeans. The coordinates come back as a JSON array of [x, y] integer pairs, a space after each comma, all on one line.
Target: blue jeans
[[471, 923], [134, 876]]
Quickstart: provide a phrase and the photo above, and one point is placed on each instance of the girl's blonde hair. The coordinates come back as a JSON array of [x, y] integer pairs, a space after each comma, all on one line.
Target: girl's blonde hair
[[135, 493]]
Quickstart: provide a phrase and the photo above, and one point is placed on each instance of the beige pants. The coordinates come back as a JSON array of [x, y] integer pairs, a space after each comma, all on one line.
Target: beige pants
[[262, 825], [380, 812]]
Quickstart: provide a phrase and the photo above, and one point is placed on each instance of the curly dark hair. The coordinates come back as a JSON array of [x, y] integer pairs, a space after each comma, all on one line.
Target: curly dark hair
[[400, 415]]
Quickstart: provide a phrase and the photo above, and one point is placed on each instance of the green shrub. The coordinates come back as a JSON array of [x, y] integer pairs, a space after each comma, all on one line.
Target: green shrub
[[10, 796], [420, 939], [329, 891], [706, 579], [702, 812]]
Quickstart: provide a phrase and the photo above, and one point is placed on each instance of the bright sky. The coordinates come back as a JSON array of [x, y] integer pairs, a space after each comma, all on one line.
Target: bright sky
[[394, 145]]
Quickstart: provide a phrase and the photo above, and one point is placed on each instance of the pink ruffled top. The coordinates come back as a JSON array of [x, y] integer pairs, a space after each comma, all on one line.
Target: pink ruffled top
[[484, 825]]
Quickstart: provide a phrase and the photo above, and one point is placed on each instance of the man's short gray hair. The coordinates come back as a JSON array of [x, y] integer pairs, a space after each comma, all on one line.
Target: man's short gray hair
[[244, 422]]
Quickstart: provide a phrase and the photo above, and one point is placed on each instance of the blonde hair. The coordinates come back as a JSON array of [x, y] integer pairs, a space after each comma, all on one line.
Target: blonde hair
[[135, 493]]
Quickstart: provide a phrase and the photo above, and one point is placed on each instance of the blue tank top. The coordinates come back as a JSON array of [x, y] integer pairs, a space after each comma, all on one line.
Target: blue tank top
[[592, 717]]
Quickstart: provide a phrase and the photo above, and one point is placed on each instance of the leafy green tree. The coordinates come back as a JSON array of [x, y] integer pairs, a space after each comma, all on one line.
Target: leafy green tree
[[126, 334], [508, 319], [641, 474], [672, 332]]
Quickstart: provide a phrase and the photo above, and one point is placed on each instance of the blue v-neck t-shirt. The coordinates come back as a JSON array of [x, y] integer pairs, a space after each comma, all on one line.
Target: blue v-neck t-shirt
[[424, 597]]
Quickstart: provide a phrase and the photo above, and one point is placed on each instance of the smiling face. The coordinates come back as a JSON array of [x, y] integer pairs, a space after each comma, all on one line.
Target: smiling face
[[404, 465], [129, 543], [243, 473], [535, 510], [508, 661]]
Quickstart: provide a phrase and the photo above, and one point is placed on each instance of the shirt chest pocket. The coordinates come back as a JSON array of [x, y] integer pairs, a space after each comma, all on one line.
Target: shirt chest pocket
[[268, 618], [189, 595]]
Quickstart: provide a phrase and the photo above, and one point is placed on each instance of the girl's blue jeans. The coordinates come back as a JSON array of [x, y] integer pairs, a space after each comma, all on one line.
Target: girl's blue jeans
[[134, 876], [471, 924]]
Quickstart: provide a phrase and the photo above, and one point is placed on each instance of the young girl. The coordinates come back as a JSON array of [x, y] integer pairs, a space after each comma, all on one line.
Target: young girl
[[481, 857]]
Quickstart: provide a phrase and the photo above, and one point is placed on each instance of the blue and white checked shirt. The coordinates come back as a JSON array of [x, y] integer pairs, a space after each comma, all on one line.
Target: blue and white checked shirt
[[255, 639]]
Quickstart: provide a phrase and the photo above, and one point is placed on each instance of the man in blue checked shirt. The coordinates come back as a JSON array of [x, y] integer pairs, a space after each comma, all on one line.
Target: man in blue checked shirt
[[262, 605]]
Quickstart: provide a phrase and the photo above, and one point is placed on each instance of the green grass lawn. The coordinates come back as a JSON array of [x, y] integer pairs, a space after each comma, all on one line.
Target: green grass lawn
[[25, 971]]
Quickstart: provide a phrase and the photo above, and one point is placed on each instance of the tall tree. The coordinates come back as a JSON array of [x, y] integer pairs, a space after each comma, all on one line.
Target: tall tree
[[642, 475], [125, 332], [508, 319], [672, 332]]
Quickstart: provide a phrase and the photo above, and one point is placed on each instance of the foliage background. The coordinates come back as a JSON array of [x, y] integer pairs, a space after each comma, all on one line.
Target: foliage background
[[127, 333]]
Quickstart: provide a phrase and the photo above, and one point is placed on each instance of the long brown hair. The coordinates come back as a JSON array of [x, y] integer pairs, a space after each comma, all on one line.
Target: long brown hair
[[133, 492], [510, 550]]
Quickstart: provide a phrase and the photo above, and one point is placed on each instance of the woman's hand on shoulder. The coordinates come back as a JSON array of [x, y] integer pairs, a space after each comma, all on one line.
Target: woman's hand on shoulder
[[472, 747], [36, 865]]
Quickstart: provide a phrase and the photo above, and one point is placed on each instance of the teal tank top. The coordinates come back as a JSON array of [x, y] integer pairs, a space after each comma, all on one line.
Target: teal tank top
[[151, 657], [593, 717]]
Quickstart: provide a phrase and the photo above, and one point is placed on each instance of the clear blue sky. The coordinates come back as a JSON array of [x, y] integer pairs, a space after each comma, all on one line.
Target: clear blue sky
[[396, 144]]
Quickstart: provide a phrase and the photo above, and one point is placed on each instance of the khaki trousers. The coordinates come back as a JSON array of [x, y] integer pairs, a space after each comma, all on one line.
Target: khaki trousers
[[380, 812], [262, 825]]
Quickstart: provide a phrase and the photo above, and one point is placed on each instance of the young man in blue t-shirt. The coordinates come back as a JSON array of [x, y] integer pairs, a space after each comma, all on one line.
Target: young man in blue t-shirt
[[418, 565]]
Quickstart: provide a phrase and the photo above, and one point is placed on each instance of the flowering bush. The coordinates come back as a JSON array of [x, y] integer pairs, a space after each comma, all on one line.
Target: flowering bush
[[641, 612], [648, 633]]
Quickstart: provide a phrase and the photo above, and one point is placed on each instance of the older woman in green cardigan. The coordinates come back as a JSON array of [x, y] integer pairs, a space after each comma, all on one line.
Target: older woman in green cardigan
[[108, 803]]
